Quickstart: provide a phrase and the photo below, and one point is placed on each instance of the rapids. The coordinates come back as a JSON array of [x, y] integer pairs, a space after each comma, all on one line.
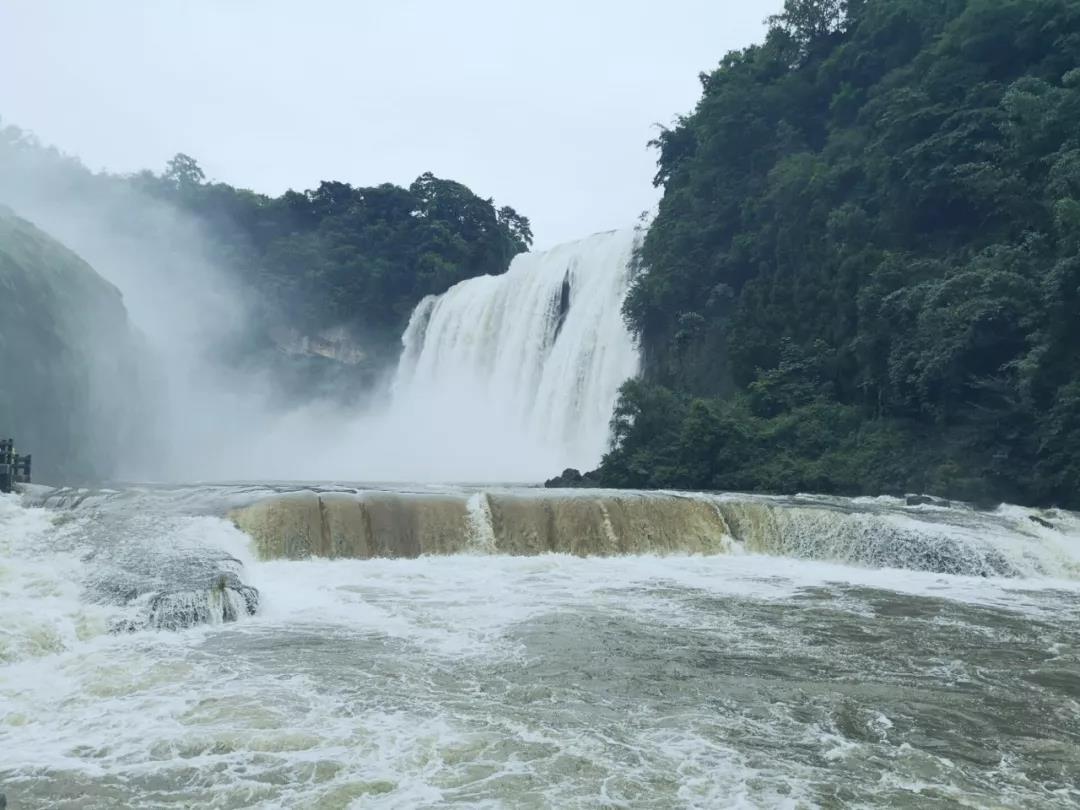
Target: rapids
[[515, 647]]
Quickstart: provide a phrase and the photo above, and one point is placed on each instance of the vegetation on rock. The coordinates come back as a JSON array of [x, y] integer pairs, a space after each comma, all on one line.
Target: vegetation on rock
[[864, 275], [344, 255], [337, 256]]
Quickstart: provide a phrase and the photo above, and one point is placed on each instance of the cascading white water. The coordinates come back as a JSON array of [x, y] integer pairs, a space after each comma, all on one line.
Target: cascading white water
[[771, 651], [531, 360]]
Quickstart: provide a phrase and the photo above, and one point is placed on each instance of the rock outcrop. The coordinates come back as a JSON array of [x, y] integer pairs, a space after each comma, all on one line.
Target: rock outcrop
[[68, 357]]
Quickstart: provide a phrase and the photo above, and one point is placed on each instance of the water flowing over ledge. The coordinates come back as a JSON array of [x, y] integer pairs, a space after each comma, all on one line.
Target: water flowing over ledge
[[873, 533], [175, 557]]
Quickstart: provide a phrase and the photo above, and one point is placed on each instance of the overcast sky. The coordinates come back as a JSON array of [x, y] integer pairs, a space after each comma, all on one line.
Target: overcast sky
[[545, 106]]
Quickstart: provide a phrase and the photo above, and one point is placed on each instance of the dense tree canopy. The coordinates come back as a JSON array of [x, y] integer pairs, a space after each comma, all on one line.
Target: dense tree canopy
[[344, 255], [865, 270]]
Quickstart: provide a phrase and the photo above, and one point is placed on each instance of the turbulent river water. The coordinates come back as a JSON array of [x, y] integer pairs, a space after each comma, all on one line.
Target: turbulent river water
[[256, 646]]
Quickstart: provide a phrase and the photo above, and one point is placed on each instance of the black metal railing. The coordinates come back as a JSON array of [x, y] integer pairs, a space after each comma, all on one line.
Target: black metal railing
[[14, 468]]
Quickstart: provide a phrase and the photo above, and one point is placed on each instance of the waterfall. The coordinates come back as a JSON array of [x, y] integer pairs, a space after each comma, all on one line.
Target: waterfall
[[527, 364], [875, 533]]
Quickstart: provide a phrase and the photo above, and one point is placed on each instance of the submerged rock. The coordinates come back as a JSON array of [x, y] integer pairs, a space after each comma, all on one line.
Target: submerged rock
[[180, 610], [224, 599], [158, 568], [927, 500]]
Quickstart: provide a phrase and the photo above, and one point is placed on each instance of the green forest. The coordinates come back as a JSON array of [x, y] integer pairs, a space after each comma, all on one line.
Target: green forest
[[864, 276], [335, 255], [338, 254]]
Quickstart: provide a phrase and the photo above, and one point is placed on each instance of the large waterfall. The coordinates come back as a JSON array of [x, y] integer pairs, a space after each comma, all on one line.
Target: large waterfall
[[527, 365]]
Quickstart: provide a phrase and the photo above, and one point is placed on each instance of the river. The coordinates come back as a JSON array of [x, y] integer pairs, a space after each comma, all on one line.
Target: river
[[152, 654]]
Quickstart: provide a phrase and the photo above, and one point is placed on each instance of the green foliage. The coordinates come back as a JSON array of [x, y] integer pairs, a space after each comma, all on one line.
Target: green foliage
[[333, 256], [887, 192], [183, 172], [341, 255]]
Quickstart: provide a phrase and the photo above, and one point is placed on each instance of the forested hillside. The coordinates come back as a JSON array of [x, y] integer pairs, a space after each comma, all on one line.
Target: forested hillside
[[864, 276], [336, 256]]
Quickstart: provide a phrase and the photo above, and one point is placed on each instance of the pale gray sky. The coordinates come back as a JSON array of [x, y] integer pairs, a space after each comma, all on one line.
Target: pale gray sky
[[546, 106]]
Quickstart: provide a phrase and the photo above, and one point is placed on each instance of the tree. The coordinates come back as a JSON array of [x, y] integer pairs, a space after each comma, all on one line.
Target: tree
[[183, 171], [517, 227], [805, 23]]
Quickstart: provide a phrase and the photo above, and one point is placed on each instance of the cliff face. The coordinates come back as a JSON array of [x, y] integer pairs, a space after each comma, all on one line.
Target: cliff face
[[68, 358]]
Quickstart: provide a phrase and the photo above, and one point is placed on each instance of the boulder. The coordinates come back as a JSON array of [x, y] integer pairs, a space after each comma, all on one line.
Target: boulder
[[572, 479], [927, 500]]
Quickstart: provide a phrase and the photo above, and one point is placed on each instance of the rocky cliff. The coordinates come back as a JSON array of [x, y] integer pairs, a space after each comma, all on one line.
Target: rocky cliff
[[69, 361]]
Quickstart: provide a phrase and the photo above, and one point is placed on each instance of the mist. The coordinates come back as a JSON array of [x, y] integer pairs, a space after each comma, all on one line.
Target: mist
[[515, 382], [192, 415]]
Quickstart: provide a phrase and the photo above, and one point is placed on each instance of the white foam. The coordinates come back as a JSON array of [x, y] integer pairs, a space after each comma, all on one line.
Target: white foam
[[381, 682], [41, 609]]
